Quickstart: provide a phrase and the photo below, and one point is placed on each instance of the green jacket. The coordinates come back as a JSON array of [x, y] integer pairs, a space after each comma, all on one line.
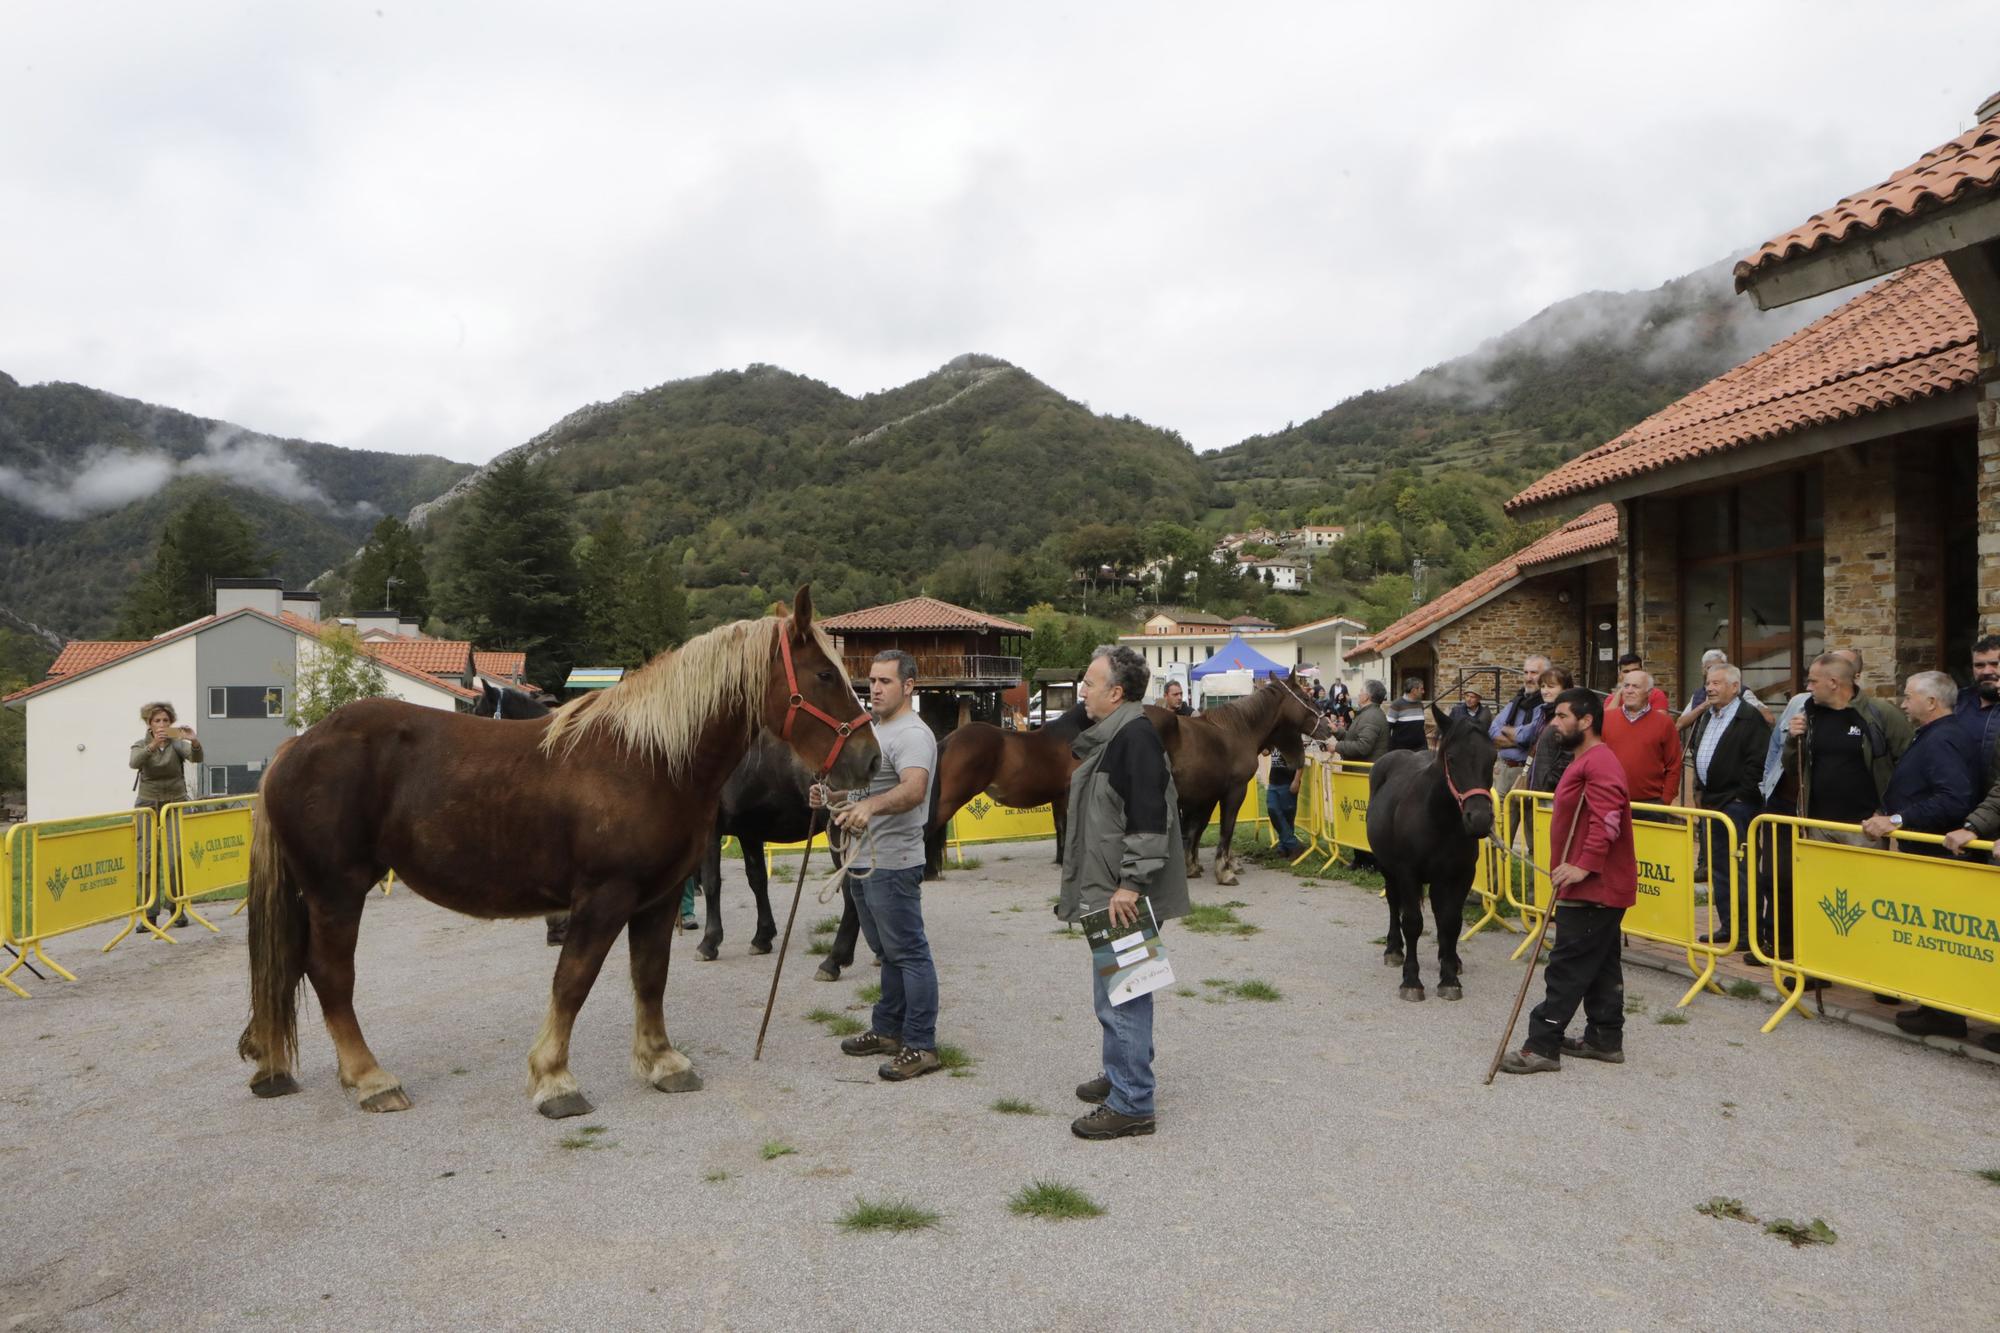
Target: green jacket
[[1367, 737], [1885, 734], [1124, 820], [160, 776]]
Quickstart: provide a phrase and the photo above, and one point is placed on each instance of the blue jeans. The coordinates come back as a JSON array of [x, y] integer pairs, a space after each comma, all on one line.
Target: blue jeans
[[890, 904], [1282, 804], [1128, 1047]]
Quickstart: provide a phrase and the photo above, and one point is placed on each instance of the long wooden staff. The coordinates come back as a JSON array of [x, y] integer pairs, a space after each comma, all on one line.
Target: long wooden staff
[[798, 890], [1541, 933]]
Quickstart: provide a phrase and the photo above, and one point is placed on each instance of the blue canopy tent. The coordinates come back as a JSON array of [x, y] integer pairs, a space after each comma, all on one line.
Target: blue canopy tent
[[1237, 655]]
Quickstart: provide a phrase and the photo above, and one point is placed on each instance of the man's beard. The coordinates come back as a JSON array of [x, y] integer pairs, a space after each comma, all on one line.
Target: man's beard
[[1988, 689], [1571, 741]]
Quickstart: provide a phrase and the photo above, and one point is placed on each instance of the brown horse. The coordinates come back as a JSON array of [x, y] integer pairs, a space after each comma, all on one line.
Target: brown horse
[[1214, 757], [1022, 769], [602, 809]]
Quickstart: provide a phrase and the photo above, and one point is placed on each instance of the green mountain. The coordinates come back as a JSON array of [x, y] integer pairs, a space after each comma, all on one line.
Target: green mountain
[[87, 480]]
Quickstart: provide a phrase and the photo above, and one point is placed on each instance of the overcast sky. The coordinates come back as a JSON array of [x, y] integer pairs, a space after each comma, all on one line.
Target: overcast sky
[[441, 227]]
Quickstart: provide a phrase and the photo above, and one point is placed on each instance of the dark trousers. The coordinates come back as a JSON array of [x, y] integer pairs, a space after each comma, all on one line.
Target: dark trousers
[[1283, 807], [890, 904], [1584, 968], [1727, 893]]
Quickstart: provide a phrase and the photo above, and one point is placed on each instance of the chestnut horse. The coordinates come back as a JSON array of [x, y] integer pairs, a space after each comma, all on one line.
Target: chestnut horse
[[1022, 769], [1214, 757], [602, 808]]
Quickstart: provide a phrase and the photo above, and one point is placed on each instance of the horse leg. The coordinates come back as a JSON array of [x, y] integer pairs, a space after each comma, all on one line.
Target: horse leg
[[1392, 951], [650, 933], [1225, 845], [843, 939], [1409, 896], [1059, 807], [593, 925], [1194, 823], [759, 876], [553, 926], [711, 893], [1448, 911], [336, 922]]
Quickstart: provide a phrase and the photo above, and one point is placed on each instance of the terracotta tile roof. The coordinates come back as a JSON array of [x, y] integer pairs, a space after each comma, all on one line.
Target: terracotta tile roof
[[1593, 530], [1951, 173], [83, 654], [431, 657], [918, 613], [501, 666], [1908, 337]]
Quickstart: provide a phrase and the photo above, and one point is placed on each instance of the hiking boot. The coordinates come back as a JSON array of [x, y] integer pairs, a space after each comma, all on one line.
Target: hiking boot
[[910, 1062], [1096, 1092], [1105, 1123], [689, 923], [1583, 1050], [1525, 1061], [871, 1043], [1926, 1022]]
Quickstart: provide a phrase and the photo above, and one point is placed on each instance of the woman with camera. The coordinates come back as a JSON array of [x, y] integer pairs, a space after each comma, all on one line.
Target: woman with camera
[[160, 756]]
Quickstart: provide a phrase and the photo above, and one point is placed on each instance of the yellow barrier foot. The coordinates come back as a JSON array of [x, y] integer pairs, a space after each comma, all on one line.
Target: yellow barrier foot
[[1704, 980], [1796, 993], [241, 907], [1310, 849], [7, 977], [51, 964], [200, 920]]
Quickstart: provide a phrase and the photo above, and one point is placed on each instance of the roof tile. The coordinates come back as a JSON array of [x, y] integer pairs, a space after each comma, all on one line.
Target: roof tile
[[916, 613], [432, 657], [83, 654], [1909, 337]]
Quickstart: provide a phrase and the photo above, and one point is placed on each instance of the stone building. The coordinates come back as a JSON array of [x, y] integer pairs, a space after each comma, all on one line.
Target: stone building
[[1841, 488]]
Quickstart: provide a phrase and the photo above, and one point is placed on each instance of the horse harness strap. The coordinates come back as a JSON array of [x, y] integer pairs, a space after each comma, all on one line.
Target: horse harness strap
[[1461, 796], [798, 703]]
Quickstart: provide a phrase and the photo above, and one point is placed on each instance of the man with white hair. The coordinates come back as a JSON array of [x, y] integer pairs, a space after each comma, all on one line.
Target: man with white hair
[[1728, 749], [1697, 704], [1644, 739]]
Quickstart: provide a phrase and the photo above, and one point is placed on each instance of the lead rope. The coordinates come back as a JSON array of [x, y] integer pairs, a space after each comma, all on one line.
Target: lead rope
[[837, 844]]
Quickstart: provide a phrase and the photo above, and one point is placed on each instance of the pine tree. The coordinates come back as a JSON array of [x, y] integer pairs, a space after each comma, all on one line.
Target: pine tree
[[392, 552], [513, 579], [659, 606], [207, 539], [608, 569]]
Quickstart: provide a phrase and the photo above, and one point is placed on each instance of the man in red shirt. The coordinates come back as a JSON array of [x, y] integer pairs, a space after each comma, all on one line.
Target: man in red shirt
[[1643, 736], [1596, 879]]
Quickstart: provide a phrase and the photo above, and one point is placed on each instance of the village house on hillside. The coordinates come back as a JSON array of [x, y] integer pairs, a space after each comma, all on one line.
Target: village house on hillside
[[230, 675], [1326, 644]]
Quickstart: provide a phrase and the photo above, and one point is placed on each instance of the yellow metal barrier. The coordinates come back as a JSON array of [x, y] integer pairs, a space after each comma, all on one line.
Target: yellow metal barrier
[[1310, 824], [70, 874], [1344, 808], [1666, 908], [983, 819], [1926, 928], [203, 849]]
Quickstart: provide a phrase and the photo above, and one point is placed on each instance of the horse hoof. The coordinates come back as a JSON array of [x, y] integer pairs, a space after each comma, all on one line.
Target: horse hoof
[[685, 1081], [277, 1085], [568, 1104], [1392, 960], [760, 948], [1451, 993], [827, 972], [389, 1099], [1414, 994], [705, 953]]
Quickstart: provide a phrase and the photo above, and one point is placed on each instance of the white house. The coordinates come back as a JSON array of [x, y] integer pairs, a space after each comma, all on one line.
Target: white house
[[1317, 536], [228, 675], [1281, 575], [1320, 643]]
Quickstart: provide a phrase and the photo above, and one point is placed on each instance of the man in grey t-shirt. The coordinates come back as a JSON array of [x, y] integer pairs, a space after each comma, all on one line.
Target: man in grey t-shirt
[[887, 886]]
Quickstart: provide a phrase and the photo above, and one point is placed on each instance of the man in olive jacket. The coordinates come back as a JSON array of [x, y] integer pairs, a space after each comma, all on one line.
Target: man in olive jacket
[[1367, 737], [1124, 843]]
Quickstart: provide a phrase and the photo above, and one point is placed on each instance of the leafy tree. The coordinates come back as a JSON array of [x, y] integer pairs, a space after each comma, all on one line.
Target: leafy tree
[[659, 606], [23, 661], [336, 672], [513, 578], [206, 539], [392, 552], [1061, 639]]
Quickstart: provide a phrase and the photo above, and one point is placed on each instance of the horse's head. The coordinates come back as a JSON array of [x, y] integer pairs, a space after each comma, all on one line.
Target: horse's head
[[811, 705], [489, 699], [1466, 757], [1301, 718]]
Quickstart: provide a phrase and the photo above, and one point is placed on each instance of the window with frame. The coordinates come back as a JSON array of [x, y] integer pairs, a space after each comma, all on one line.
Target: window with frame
[[246, 701], [1752, 580]]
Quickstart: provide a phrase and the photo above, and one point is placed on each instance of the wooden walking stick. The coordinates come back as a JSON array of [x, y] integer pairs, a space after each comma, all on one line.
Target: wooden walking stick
[[1541, 934], [798, 890]]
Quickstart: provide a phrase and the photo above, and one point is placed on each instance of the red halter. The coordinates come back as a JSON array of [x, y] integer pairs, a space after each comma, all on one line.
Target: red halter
[[800, 704], [1461, 796]]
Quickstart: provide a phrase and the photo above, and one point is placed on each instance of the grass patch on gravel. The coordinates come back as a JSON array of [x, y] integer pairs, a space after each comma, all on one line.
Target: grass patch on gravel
[[969, 863], [773, 1149], [1015, 1106], [887, 1215], [846, 1025], [955, 1060], [1186, 990], [1722, 1206], [870, 993], [1991, 1175], [1217, 919], [1635, 1004], [826, 925], [1815, 1232], [1053, 1200], [820, 947], [1214, 983], [590, 1136], [1743, 988], [714, 1177], [1673, 1018], [1254, 989], [821, 1015]]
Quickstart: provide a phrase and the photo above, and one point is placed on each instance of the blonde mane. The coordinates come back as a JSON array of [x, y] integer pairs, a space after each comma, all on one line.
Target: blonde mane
[[660, 711]]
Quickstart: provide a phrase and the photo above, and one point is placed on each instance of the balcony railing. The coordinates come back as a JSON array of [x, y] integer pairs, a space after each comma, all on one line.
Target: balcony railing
[[947, 666]]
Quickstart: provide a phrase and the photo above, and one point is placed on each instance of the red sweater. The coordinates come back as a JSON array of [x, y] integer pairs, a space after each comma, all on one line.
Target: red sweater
[[1650, 750], [1593, 786]]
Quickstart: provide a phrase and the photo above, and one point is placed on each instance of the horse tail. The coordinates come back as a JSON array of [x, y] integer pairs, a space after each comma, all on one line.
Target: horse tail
[[933, 826], [278, 941]]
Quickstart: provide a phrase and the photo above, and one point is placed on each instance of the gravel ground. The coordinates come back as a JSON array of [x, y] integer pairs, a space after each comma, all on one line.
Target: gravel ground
[[1326, 1160]]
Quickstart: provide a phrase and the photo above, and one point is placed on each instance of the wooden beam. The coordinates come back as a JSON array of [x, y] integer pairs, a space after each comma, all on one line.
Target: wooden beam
[[1873, 254], [1976, 270]]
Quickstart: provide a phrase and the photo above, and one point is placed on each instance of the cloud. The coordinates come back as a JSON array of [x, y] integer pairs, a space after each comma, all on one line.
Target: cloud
[[108, 478]]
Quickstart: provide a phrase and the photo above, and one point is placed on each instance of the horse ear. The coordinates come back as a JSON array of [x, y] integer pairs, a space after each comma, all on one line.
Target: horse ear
[[1443, 718], [802, 610]]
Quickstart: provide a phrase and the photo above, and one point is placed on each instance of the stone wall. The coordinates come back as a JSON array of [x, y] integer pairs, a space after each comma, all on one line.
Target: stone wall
[[1989, 484], [1527, 618], [1652, 554], [1884, 566]]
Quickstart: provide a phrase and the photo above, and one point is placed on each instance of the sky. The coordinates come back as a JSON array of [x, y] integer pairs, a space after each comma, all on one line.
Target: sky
[[439, 228]]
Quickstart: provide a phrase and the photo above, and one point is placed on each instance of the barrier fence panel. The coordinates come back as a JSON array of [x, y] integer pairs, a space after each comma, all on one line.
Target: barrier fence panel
[[983, 819], [1345, 807], [70, 874], [7, 912], [204, 849], [1310, 825], [1926, 928]]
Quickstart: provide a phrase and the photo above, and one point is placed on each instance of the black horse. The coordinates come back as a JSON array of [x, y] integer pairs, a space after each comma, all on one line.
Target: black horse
[[507, 704], [1427, 814]]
